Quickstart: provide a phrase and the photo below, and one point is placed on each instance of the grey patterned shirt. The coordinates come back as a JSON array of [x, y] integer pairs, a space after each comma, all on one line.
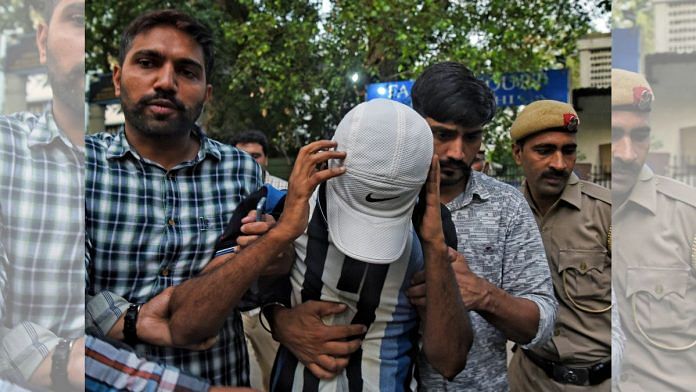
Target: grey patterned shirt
[[500, 239]]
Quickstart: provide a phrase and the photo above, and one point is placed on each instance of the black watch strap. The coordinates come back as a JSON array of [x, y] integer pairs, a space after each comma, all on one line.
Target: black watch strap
[[130, 333], [59, 366]]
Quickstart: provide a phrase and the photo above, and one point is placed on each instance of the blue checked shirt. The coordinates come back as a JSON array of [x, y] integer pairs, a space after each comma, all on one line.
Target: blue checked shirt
[[41, 241], [148, 229]]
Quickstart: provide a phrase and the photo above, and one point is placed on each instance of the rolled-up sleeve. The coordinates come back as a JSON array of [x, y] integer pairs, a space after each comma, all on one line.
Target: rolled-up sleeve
[[102, 312], [526, 270]]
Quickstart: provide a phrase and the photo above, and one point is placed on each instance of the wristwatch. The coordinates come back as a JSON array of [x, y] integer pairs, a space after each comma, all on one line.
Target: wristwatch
[[59, 365], [130, 333]]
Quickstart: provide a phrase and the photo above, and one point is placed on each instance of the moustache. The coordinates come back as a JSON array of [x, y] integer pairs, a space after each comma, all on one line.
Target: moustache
[[159, 96], [624, 167], [453, 164], [556, 174]]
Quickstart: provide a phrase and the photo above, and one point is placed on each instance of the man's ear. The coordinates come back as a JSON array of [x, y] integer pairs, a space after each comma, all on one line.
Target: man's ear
[[41, 41], [116, 79], [517, 153], [208, 93]]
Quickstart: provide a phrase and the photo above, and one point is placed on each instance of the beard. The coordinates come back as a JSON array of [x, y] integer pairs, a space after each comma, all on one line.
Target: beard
[[180, 122], [68, 87], [453, 172]]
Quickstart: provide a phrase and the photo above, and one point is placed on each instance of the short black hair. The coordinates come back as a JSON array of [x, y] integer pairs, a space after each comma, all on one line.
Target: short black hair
[[196, 29], [449, 92], [251, 136], [45, 8]]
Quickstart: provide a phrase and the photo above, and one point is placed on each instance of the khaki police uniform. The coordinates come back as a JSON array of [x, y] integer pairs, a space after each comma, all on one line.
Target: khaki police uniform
[[576, 236], [655, 281], [654, 246], [575, 232]]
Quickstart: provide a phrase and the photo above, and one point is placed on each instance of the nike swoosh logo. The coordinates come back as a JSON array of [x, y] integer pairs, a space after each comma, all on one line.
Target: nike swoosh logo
[[371, 199]]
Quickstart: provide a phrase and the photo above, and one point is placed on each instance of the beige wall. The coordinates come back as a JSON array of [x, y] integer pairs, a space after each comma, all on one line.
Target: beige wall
[[674, 85], [595, 126]]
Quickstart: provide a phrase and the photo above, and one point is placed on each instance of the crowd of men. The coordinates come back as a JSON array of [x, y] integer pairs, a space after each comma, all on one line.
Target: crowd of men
[[383, 263]]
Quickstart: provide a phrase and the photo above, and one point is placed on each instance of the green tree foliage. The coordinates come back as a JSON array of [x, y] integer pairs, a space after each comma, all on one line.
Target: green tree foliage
[[284, 66], [15, 14]]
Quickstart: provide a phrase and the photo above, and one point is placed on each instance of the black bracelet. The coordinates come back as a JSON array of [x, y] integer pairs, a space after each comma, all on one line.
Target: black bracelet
[[130, 321], [264, 307], [59, 365]]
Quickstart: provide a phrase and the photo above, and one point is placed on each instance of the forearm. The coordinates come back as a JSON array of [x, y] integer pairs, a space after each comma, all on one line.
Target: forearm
[[517, 318], [200, 305], [25, 348], [447, 334]]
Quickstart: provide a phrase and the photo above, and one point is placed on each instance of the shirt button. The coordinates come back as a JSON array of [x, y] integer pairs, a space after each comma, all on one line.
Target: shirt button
[[583, 266], [165, 271], [658, 289], [170, 176], [556, 332], [171, 222]]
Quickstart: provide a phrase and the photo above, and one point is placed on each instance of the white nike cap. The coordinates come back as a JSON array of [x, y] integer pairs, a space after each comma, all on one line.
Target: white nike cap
[[388, 152]]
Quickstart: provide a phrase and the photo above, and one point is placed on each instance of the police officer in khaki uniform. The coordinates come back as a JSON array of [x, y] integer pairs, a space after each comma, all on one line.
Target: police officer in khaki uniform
[[574, 217], [654, 240]]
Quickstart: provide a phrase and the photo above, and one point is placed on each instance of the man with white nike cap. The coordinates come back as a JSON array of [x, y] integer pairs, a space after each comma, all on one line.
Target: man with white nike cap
[[361, 249]]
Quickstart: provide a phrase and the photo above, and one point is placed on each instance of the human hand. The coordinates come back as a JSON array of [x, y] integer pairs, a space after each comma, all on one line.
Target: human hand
[[322, 348], [416, 293], [252, 229], [476, 292], [76, 365], [430, 230], [153, 324], [306, 175]]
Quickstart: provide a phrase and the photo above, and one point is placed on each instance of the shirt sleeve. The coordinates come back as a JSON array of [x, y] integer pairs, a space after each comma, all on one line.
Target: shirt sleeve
[[25, 345], [102, 311], [112, 368], [526, 270]]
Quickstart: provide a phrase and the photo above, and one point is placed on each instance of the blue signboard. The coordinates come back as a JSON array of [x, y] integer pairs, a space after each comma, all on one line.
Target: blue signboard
[[397, 91], [509, 91], [625, 49]]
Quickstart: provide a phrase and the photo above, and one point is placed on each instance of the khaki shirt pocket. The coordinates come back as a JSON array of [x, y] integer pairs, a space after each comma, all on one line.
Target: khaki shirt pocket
[[586, 279], [663, 305]]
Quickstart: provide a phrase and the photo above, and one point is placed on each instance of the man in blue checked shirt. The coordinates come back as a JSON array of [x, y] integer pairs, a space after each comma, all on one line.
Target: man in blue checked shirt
[[159, 193], [41, 220]]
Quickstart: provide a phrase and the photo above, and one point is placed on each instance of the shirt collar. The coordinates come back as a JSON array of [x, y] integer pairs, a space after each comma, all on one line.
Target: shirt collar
[[45, 131], [644, 193], [474, 187], [571, 193], [120, 146]]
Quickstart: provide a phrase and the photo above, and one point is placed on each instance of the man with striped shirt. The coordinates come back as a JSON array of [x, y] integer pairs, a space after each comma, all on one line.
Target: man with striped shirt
[[501, 266], [361, 250]]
